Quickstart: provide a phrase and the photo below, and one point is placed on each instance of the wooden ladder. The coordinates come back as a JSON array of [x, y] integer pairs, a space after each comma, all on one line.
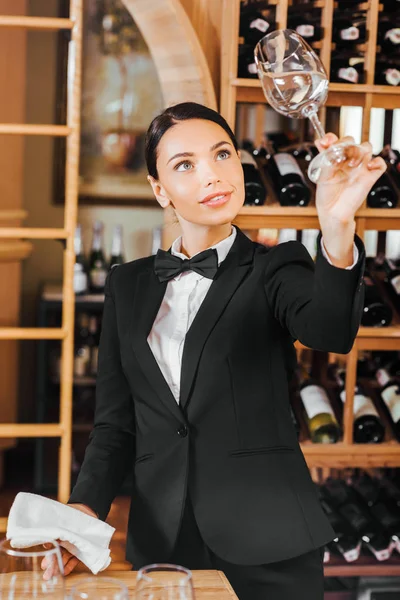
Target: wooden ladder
[[71, 130]]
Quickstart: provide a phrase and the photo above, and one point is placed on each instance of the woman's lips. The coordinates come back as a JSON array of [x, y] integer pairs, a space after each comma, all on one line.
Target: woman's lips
[[218, 200]]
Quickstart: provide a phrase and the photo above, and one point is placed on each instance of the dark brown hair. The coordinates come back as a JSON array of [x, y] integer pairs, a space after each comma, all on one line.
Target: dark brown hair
[[170, 117]]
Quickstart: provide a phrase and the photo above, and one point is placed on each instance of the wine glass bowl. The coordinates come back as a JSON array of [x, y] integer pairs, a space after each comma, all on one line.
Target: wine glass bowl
[[164, 581], [21, 574], [99, 588], [295, 84]]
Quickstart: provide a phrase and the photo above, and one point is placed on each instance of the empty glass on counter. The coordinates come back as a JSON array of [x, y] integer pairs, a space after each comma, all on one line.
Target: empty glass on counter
[[99, 588], [164, 582], [21, 574]]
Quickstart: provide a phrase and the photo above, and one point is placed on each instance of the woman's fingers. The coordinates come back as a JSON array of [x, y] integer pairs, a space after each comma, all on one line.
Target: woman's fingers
[[324, 143], [51, 569], [71, 564]]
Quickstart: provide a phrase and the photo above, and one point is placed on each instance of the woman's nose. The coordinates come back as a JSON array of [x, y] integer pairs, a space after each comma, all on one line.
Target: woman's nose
[[210, 177]]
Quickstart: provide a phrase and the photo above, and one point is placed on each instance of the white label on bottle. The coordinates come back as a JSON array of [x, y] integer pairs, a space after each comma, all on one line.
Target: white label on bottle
[[80, 279], [363, 405], [351, 33], [393, 35], [348, 74], [392, 76], [305, 30], [382, 377], [98, 277], [395, 281], [315, 401], [252, 68], [259, 24], [287, 164], [391, 397]]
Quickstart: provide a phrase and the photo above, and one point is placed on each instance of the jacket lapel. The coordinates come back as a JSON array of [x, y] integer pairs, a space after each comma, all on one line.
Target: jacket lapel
[[228, 278], [148, 296]]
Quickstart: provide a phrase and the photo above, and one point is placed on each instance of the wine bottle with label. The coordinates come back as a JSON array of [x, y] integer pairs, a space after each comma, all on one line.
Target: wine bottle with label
[[390, 394], [347, 67], [255, 191], [82, 349], [318, 411], [392, 280], [306, 25], [389, 34], [288, 180], [387, 71], [247, 67], [376, 313], [346, 543], [367, 427], [348, 30], [254, 24], [348, 505], [382, 194], [392, 158], [117, 254], [97, 265], [80, 268]]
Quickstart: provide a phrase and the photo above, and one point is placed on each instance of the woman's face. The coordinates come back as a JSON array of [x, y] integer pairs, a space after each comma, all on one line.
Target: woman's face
[[200, 173]]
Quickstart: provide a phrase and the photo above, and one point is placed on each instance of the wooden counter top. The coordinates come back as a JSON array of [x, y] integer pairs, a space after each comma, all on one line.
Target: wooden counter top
[[207, 584]]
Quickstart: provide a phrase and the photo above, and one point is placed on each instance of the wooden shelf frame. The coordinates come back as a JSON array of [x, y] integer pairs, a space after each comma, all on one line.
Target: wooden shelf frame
[[235, 90], [71, 130]]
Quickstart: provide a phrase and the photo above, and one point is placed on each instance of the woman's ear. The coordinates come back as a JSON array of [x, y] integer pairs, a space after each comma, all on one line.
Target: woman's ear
[[239, 154], [159, 192]]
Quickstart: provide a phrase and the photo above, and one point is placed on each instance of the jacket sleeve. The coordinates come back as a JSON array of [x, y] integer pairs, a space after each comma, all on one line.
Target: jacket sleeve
[[111, 449], [319, 304]]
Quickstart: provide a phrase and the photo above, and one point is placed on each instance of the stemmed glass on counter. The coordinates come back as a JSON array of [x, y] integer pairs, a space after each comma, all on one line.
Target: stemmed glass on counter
[[21, 574], [164, 582], [295, 84]]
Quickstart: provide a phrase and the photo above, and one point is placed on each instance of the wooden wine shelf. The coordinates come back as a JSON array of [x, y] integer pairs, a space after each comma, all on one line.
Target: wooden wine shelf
[[365, 566], [342, 455], [305, 217]]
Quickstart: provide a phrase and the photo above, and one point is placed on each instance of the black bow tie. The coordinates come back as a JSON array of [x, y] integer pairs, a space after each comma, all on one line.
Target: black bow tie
[[167, 266]]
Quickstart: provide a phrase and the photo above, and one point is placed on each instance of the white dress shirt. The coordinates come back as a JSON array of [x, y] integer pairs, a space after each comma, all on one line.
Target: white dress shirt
[[183, 297]]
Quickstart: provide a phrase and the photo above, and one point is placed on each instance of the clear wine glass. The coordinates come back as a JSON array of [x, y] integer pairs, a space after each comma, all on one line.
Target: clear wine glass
[[99, 588], [164, 582], [21, 574], [295, 84]]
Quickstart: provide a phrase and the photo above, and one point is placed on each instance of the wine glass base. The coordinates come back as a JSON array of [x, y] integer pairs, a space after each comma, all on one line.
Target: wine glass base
[[331, 160]]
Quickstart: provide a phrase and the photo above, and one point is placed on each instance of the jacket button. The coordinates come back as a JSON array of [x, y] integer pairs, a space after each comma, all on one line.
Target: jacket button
[[183, 431]]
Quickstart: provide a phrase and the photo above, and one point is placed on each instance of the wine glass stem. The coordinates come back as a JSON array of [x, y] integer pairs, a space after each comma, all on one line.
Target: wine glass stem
[[317, 124]]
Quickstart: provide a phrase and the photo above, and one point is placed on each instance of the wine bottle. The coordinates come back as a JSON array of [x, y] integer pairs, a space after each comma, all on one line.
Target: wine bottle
[[376, 312], [390, 5], [247, 67], [318, 412], [117, 255], [306, 25], [254, 24], [80, 268], [390, 394], [348, 30], [392, 158], [347, 67], [387, 71], [367, 425], [346, 502], [380, 506], [389, 34], [81, 346], [288, 180], [97, 264], [346, 543], [255, 191], [392, 280], [382, 194], [93, 343]]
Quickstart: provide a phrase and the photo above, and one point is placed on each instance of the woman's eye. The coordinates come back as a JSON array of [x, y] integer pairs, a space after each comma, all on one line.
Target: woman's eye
[[183, 166], [225, 154]]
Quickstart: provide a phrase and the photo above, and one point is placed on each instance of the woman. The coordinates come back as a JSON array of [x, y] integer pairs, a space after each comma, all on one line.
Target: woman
[[193, 368]]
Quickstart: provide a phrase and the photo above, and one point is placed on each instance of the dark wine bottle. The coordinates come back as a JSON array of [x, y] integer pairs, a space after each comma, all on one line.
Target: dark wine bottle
[[347, 503], [389, 34], [306, 25], [255, 191], [80, 267], [254, 24], [376, 312], [97, 263], [387, 71], [392, 280], [247, 67], [390, 394], [347, 67], [288, 180], [81, 346], [348, 30], [382, 193], [117, 254], [390, 5], [367, 427], [392, 158]]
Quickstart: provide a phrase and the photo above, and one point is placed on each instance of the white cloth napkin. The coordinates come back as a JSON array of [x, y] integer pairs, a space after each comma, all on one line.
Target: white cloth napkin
[[34, 519]]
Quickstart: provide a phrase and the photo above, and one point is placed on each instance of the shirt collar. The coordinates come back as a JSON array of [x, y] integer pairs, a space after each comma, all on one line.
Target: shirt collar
[[222, 247]]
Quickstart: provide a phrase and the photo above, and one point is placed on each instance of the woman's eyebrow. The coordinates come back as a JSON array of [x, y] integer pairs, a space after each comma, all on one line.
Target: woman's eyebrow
[[187, 154]]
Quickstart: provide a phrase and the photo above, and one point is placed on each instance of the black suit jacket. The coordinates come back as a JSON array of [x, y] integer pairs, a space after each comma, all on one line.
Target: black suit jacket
[[231, 438]]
